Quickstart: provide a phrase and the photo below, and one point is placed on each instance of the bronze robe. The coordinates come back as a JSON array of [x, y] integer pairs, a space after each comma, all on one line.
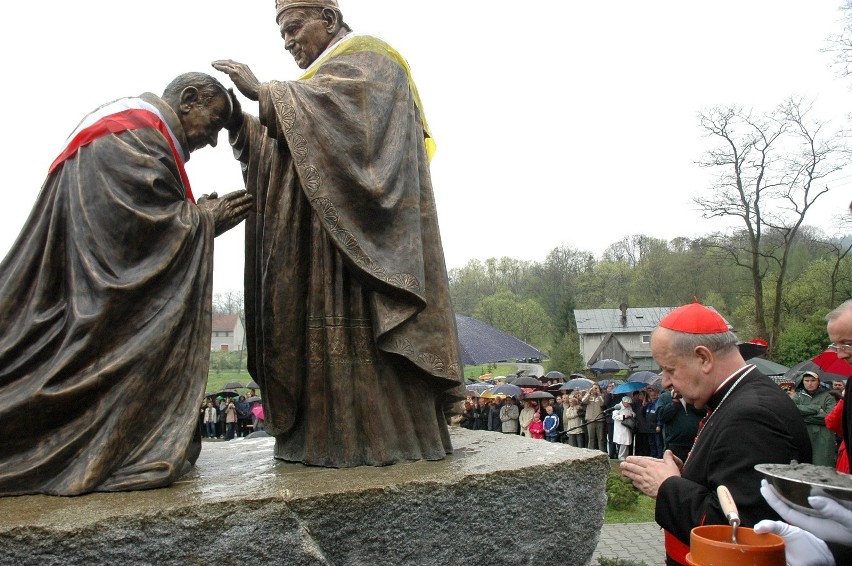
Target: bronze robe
[[350, 331], [105, 333]]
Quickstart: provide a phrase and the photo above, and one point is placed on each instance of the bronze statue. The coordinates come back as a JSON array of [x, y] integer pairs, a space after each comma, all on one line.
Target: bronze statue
[[106, 301], [351, 334]]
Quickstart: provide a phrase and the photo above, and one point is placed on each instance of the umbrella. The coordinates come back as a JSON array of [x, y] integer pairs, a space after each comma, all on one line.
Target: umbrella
[[507, 389], [809, 365], [539, 395], [643, 377], [491, 395], [252, 385], [555, 375], [233, 385], [768, 367], [481, 343], [829, 362], [753, 348], [252, 399], [629, 387], [578, 383], [257, 411], [608, 366], [227, 393], [478, 388], [525, 381]]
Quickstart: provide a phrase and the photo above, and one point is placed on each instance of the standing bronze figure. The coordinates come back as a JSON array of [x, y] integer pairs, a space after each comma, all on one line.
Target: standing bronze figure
[[351, 334]]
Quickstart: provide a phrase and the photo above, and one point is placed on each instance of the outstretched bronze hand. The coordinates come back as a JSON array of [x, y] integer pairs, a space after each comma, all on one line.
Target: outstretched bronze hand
[[241, 75], [229, 210]]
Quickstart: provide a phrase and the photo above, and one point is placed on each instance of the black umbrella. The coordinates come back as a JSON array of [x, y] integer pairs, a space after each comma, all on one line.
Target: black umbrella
[[233, 385], [539, 395], [481, 343], [555, 375], [507, 389], [810, 365], [525, 381], [768, 367], [578, 383], [227, 393], [608, 366], [752, 348], [252, 385]]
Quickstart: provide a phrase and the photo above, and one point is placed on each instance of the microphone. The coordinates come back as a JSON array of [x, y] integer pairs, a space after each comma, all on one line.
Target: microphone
[[611, 409]]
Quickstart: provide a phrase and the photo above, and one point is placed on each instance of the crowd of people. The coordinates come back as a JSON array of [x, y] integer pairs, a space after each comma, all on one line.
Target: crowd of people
[[716, 419], [225, 418], [647, 422], [643, 423]]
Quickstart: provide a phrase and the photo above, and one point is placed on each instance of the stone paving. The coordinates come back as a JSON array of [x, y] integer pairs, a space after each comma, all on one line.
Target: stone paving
[[634, 541]]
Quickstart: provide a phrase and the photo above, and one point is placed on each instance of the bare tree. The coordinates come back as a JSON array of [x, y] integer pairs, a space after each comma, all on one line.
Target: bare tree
[[771, 171], [840, 45], [229, 302]]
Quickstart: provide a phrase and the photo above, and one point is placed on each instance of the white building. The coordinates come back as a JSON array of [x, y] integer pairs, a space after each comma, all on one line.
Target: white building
[[622, 334], [228, 333]]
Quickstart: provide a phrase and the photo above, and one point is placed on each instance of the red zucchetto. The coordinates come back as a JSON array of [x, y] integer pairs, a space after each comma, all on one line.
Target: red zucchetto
[[695, 318]]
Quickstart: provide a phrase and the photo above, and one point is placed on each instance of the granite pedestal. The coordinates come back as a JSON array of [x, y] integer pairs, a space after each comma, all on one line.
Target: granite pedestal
[[498, 499]]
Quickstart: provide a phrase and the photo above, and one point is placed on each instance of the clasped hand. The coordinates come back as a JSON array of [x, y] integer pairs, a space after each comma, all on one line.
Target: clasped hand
[[647, 474], [227, 211]]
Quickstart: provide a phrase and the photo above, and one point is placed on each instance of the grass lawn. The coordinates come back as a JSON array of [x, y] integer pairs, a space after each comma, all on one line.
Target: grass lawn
[[215, 381], [642, 513]]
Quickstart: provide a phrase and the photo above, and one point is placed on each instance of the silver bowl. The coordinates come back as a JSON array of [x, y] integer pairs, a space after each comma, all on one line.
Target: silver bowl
[[796, 482]]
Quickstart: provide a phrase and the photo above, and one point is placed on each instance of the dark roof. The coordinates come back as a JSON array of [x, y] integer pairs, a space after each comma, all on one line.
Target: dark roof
[[225, 322], [601, 321], [481, 343]]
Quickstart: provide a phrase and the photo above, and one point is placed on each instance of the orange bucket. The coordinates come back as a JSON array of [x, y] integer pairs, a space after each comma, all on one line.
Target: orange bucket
[[711, 545]]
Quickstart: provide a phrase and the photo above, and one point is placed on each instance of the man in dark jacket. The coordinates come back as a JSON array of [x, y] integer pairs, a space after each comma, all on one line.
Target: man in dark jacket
[[679, 420], [750, 421]]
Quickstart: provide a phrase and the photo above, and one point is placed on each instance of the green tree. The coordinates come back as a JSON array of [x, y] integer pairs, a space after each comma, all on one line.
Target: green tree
[[524, 319], [801, 340], [565, 355]]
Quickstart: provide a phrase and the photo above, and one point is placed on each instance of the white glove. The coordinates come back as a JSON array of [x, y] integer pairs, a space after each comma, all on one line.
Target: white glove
[[801, 548], [833, 525]]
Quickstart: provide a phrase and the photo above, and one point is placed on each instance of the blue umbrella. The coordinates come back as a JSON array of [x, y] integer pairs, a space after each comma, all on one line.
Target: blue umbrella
[[644, 377], [628, 387], [608, 366]]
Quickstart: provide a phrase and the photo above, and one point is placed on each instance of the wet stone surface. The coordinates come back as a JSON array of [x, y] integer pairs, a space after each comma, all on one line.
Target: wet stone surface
[[240, 503]]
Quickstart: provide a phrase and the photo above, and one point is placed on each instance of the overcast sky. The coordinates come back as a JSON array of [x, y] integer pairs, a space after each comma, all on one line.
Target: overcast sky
[[564, 123]]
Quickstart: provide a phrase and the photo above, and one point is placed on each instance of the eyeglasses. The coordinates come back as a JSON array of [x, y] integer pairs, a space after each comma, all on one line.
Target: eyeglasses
[[840, 347]]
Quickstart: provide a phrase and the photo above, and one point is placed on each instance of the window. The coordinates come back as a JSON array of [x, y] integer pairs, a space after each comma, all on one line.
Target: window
[[646, 338]]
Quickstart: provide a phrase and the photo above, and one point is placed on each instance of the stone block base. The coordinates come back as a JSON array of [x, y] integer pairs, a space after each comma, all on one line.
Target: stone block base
[[498, 499]]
